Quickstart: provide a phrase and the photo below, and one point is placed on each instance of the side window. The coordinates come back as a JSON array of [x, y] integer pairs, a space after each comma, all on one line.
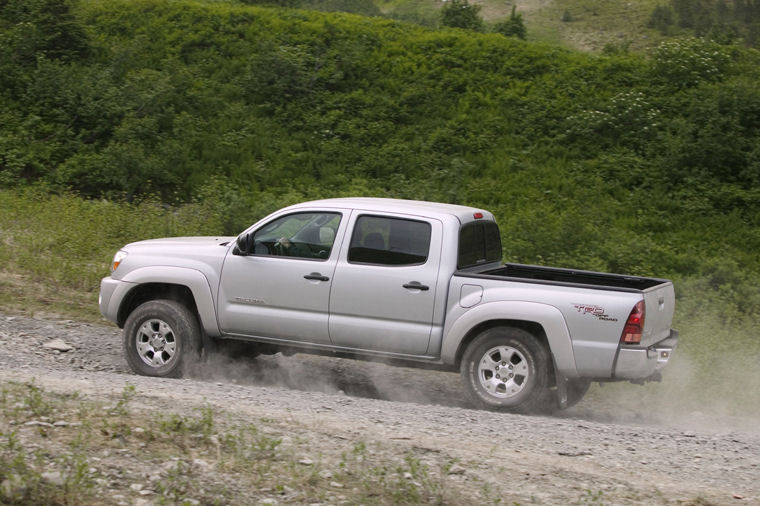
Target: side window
[[479, 242], [300, 235], [389, 241]]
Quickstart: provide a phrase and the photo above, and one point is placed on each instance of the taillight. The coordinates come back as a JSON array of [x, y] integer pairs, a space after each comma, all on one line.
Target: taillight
[[634, 326]]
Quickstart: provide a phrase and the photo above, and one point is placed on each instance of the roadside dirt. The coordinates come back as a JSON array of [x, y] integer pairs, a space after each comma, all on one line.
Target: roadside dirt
[[581, 456]]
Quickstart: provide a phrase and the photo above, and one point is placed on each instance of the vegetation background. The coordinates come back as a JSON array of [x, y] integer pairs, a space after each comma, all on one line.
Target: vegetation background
[[613, 136]]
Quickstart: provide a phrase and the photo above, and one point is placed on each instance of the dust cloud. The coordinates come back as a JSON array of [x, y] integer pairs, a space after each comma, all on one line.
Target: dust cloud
[[709, 384], [358, 378], [710, 391]]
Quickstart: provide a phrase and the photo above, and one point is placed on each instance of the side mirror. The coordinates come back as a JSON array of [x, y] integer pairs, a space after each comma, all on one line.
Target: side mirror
[[243, 245]]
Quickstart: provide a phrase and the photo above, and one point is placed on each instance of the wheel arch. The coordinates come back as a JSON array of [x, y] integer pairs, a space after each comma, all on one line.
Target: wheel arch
[[186, 286], [543, 321], [145, 292], [532, 328]]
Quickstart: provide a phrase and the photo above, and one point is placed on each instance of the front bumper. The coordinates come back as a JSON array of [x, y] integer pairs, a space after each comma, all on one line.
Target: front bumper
[[645, 363], [112, 292]]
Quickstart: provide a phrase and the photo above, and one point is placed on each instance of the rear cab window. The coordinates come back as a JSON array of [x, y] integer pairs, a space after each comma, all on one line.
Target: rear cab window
[[479, 243]]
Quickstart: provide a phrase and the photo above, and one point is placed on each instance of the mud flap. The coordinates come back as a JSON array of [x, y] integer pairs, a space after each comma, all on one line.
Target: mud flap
[[209, 347], [561, 392]]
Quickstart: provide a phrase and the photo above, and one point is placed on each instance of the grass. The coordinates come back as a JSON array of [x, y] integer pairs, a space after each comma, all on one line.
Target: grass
[[587, 25], [20, 294], [30, 474], [54, 249], [54, 449], [591, 25], [71, 449]]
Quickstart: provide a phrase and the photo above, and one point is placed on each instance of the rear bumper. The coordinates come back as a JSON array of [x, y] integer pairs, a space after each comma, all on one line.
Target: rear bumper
[[645, 363]]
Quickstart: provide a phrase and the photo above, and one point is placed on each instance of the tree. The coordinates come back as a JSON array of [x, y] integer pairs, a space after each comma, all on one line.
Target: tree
[[661, 19], [460, 14], [42, 28], [512, 27]]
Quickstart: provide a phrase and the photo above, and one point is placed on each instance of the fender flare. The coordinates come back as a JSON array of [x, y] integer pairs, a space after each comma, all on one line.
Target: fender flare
[[193, 279], [548, 317]]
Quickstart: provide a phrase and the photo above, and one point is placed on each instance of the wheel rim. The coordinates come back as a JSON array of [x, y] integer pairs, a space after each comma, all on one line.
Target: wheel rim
[[503, 372], [156, 343]]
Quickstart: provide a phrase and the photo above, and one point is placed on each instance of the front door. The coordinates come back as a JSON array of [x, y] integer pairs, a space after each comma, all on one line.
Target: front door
[[281, 289]]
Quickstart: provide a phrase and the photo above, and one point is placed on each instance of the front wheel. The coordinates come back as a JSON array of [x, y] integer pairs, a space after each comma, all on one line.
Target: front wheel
[[161, 338], [507, 369]]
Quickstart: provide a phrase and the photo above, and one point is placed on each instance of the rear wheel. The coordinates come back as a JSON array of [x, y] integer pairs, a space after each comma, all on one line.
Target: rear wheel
[[507, 369], [161, 338]]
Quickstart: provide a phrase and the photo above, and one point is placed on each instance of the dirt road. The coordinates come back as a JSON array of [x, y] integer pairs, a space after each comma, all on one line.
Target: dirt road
[[328, 405]]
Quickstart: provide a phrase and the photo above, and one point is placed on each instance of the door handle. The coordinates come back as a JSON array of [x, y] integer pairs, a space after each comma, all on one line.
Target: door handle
[[315, 276], [416, 285]]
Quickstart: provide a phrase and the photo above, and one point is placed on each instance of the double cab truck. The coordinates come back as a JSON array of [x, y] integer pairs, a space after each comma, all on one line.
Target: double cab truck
[[409, 282]]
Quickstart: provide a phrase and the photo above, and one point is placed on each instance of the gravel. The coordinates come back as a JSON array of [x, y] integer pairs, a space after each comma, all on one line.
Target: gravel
[[579, 456]]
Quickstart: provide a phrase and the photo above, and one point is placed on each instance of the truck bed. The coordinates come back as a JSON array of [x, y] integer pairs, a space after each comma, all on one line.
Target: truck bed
[[566, 277]]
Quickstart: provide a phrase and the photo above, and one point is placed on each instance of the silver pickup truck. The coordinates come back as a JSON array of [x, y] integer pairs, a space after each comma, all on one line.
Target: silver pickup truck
[[416, 283]]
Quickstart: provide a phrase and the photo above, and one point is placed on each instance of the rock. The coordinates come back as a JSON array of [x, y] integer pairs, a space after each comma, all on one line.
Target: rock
[[58, 345], [201, 463], [54, 477], [12, 486], [335, 484], [456, 469], [170, 464], [306, 462], [571, 453]]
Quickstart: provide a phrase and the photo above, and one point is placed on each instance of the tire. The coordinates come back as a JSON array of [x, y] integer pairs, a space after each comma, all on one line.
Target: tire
[[508, 369], [162, 338]]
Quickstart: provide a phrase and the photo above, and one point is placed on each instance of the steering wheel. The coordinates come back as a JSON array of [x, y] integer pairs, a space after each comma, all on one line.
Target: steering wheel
[[281, 246]]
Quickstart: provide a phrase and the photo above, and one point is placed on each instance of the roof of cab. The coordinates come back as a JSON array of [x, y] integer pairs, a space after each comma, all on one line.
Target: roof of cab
[[413, 207]]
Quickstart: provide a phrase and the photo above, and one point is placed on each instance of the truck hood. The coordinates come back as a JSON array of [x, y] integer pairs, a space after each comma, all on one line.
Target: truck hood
[[205, 254], [180, 242]]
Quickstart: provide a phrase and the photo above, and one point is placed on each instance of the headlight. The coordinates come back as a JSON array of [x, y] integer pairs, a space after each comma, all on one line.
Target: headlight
[[117, 259]]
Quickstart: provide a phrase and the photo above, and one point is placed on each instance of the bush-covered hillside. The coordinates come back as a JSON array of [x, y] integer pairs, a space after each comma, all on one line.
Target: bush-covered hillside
[[210, 114], [641, 163]]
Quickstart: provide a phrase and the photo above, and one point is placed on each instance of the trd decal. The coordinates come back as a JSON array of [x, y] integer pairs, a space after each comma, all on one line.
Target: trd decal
[[596, 311]]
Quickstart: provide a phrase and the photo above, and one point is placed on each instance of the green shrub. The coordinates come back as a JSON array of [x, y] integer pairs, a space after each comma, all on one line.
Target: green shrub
[[687, 62], [513, 26], [461, 14]]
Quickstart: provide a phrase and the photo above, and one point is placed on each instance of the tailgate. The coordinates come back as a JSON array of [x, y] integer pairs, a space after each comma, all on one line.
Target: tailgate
[[660, 303]]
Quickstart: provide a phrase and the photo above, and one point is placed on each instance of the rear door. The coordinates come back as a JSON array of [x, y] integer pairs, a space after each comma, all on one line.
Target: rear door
[[385, 283]]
